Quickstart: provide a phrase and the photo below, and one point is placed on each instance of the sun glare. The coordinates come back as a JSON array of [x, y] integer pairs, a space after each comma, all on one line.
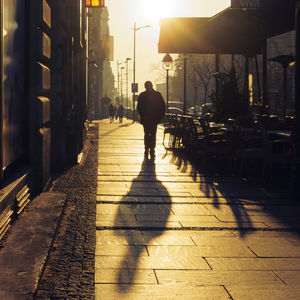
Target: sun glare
[[156, 9]]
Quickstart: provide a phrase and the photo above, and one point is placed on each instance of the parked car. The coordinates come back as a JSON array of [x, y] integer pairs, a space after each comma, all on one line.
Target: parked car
[[207, 108], [191, 110], [175, 110]]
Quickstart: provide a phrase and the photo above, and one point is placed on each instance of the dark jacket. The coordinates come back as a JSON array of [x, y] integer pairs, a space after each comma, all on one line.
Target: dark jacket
[[151, 107], [111, 110], [120, 111]]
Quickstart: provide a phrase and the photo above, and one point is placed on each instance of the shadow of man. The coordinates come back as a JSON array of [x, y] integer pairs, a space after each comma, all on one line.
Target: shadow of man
[[142, 222]]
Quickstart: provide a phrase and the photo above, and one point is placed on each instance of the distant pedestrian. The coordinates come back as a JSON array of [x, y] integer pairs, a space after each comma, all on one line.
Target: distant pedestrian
[[104, 105], [112, 112], [151, 108], [116, 112], [121, 113]]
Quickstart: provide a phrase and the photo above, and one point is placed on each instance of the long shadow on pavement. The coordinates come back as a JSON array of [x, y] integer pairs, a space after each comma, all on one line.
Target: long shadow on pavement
[[116, 128], [141, 232], [244, 199]]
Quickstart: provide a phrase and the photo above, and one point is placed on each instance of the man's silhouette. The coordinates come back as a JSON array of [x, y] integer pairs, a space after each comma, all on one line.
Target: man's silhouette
[[151, 108], [112, 112]]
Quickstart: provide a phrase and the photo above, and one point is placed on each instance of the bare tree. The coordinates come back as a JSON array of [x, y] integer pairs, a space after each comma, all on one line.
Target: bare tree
[[176, 86], [203, 66], [160, 73], [195, 80]]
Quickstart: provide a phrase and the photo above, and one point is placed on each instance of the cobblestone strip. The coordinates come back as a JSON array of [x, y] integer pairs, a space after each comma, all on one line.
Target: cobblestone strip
[[69, 271]]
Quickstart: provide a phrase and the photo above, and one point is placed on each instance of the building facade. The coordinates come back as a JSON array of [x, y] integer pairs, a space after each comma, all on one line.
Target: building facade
[[100, 53], [43, 96]]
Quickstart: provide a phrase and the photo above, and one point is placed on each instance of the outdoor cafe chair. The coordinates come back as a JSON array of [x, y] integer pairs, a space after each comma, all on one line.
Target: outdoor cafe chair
[[192, 133], [216, 143], [169, 129], [174, 128]]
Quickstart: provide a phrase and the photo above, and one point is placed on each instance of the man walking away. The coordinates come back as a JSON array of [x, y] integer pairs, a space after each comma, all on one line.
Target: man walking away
[[112, 112], [121, 113], [151, 108]]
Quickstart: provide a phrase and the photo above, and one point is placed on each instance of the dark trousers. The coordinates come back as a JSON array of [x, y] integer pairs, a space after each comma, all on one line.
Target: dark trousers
[[150, 135]]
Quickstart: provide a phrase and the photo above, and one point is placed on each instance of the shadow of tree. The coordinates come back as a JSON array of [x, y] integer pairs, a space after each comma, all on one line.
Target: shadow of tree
[[139, 231]]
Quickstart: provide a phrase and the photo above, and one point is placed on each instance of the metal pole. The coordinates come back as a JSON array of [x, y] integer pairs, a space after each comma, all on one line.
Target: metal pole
[[118, 79], [134, 49], [126, 83], [167, 90], [134, 62], [1, 93], [246, 83], [184, 85], [87, 79], [265, 78], [195, 111], [297, 102], [121, 83], [258, 79], [217, 63], [284, 90]]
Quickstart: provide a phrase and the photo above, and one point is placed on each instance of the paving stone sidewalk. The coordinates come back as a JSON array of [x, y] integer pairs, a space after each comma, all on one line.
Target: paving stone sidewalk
[[138, 230], [167, 231], [69, 270]]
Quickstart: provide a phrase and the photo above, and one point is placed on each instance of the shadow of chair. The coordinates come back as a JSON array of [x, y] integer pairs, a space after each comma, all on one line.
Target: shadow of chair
[[259, 147]]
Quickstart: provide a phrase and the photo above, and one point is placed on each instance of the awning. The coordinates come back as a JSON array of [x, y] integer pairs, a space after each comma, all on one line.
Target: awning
[[183, 35], [233, 31]]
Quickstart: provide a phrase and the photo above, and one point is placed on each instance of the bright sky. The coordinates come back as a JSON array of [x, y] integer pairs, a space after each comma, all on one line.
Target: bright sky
[[123, 14]]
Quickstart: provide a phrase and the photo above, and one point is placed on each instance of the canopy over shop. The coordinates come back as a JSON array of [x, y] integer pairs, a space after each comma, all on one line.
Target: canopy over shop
[[232, 31]]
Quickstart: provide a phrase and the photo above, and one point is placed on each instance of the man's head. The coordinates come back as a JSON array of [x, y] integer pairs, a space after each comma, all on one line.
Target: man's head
[[148, 85]]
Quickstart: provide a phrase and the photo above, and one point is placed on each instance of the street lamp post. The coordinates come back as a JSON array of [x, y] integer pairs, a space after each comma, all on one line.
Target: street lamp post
[[121, 99], [127, 59], [184, 85], [134, 87], [118, 64], [167, 65]]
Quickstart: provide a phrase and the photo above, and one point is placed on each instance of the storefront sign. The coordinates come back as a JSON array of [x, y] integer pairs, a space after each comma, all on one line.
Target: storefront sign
[[107, 47], [134, 88], [94, 3]]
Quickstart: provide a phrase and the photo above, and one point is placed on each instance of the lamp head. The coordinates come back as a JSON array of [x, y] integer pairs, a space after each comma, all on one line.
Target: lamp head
[[167, 61]]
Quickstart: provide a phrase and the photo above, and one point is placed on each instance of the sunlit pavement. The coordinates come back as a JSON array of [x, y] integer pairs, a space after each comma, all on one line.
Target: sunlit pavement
[[165, 231]]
